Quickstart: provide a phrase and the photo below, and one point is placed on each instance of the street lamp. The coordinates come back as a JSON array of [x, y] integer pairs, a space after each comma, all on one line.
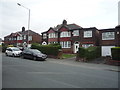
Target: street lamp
[[28, 18]]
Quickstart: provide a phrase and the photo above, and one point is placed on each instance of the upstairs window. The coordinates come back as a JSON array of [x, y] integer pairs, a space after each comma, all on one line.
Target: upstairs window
[[24, 36], [19, 37], [87, 34], [65, 34], [44, 36], [76, 33], [108, 35], [30, 38], [53, 35]]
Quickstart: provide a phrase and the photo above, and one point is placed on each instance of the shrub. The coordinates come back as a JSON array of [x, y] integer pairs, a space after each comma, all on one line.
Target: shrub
[[82, 52], [90, 52], [3, 47], [115, 51], [51, 49], [93, 52]]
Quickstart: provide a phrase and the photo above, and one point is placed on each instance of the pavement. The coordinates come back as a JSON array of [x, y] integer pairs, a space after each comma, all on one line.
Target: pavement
[[92, 65]]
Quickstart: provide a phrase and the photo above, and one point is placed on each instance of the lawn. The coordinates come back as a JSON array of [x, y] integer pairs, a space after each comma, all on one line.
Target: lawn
[[64, 56]]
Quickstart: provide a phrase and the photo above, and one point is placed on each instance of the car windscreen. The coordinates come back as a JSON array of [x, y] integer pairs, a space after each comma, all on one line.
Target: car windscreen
[[16, 49], [36, 51]]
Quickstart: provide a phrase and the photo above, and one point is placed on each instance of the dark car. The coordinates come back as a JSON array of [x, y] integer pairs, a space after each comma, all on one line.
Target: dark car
[[33, 54]]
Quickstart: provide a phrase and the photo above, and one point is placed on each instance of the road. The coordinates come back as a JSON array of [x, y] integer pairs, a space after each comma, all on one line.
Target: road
[[23, 73]]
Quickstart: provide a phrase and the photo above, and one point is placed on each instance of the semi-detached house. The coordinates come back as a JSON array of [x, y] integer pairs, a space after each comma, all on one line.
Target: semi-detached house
[[22, 38], [71, 37]]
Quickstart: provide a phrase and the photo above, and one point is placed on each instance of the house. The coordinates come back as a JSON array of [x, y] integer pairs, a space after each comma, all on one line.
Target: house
[[71, 36], [22, 38], [109, 38]]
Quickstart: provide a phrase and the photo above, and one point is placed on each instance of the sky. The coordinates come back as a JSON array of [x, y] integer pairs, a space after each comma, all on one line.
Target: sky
[[44, 14]]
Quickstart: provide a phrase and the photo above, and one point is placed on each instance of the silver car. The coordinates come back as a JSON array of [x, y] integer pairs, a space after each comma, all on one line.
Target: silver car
[[13, 51]]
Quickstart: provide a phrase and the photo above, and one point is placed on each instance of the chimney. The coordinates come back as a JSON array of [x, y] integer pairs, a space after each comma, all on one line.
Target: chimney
[[23, 29], [64, 22]]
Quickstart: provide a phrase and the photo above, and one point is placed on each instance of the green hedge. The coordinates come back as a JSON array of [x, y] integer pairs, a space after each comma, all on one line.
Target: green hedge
[[4, 47], [51, 49], [115, 51], [82, 52], [90, 52], [93, 52]]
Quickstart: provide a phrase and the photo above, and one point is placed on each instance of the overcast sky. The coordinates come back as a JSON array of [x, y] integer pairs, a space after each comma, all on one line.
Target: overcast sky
[[49, 13]]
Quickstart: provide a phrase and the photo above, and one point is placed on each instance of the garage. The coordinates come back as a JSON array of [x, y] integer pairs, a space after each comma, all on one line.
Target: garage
[[106, 50]]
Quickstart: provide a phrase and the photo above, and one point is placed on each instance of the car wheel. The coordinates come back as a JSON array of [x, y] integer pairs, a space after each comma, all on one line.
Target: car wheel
[[34, 58], [13, 55], [6, 54]]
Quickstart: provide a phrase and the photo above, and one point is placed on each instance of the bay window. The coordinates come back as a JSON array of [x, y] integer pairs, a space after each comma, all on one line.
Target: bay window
[[53, 35], [65, 44], [65, 34]]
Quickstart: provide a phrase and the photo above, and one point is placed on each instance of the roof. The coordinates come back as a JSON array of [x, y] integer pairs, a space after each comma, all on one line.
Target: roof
[[90, 28], [108, 29], [64, 24], [73, 26], [21, 33], [69, 26]]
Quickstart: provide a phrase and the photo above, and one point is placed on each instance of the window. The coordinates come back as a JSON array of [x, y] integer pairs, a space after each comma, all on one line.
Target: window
[[87, 34], [30, 38], [19, 38], [87, 45], [53, 35], [76, 33], [44, 36], [65, 34], [24, 36], [65, 44], [108, 35]]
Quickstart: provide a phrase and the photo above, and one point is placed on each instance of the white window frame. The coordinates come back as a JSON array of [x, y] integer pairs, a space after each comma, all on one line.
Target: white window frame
[[52, 35], [30, 38], [76, 33], [65, 44], [108, 35], [87, 45], [44, 36], [24, 36], [65, 34], [87, 34]]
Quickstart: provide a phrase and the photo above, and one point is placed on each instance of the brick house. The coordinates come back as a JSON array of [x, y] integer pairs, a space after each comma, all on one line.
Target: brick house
[[22, 38], [71, 36], [109, 38]]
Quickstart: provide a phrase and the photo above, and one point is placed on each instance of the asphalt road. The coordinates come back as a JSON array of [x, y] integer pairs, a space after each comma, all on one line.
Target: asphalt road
[[23, 73]]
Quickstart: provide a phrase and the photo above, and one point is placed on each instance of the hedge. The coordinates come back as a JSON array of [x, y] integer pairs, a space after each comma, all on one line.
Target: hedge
[[90, 52], [115, 52], [51, 49], [93, 52]]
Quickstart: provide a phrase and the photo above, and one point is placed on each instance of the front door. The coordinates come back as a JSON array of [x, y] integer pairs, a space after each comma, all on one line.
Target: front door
[[76, 47]]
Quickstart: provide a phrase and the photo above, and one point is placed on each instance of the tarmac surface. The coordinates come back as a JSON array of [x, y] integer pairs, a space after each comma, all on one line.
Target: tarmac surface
[[96, 64]]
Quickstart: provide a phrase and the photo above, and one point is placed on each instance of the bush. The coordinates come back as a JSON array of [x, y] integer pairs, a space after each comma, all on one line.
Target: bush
[[115, 51], [3, 47], [52, 49], [90, 52], [82, 52], [93, 52]]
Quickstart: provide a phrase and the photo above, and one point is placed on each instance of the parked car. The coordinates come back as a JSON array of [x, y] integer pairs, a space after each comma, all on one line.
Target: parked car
[[33, 54], [13, 51]]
